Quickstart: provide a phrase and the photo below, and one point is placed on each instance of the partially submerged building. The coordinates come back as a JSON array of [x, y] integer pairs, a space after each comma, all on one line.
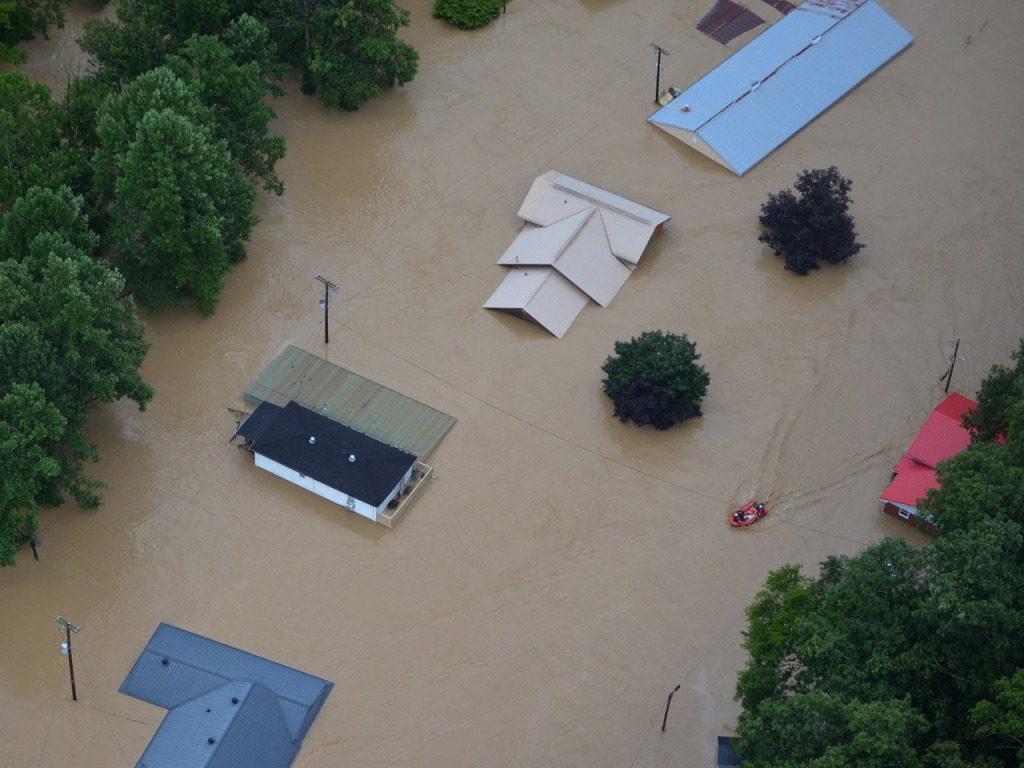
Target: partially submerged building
[[324, 456], [226, 708], [781, 80], [341, 436], [579, 243], [942, 436]]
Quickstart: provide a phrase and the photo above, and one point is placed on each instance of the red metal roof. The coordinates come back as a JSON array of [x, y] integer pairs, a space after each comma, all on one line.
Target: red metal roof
[[911, 483], [727, 20], [943, 434]]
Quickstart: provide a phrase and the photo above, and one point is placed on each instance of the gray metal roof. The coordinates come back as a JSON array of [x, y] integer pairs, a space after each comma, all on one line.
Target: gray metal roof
[[784, 78], [256, 711]]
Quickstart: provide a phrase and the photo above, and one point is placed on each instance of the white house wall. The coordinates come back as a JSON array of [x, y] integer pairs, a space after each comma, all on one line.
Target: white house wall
[[340, 498]]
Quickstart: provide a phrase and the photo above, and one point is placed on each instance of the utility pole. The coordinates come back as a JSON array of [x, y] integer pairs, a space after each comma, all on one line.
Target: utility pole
[[948, 375], [664, 720], [328, 286], [65, 649], [657, 77]]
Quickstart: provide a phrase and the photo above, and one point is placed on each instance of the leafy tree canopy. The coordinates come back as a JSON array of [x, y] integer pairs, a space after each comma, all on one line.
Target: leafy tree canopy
[[181, 212], [23, 20], [68, 336], [232, 75], [812, 225], [924, 642], [29, 429], [467, 14], [655, 379], [1000, 399], [354, 52]]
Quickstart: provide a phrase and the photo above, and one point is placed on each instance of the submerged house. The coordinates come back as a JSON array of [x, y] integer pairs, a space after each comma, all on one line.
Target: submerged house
[[226, 708], [780, 81], [579, 243], [942, 435], [346, 415], [328, 458]]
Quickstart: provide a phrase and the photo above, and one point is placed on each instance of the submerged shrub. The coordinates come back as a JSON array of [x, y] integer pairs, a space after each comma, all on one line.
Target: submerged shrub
[[467, 14]]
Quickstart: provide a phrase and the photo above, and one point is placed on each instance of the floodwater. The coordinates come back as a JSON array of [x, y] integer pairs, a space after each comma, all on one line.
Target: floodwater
[[564, 571]]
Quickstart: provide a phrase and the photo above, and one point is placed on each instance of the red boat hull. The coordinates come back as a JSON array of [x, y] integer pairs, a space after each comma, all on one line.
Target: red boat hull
[[748, 514]]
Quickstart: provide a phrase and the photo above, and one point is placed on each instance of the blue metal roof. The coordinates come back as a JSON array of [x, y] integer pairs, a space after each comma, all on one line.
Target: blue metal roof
[[768, 90], [228, 708]]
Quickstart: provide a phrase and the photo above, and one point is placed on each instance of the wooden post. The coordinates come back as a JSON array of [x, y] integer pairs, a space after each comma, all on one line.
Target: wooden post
[[952, 364], [657, 77], [68, 629], [664, 720], [328, 285]]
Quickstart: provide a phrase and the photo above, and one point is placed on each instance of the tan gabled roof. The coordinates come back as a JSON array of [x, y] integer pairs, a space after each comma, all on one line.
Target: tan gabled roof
[[540, 294], [589, 237]]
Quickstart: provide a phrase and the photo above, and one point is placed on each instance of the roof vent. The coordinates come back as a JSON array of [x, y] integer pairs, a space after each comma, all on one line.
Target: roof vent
[[686, 108], [234, 699], [165, 662], [816, 39], [312, 440], [352, 457], [211, 740], [755, 85]]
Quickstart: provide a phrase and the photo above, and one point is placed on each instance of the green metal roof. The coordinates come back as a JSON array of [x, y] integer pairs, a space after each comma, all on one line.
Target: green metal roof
[[356, 402]]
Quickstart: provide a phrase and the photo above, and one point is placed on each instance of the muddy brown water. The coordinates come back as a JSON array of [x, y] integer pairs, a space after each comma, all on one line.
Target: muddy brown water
[[565, 571]]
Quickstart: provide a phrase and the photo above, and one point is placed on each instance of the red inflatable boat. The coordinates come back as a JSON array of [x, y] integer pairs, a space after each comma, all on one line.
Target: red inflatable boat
[[749, 514]]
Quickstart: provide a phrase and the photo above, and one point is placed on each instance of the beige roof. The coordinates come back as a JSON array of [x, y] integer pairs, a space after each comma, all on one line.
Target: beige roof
[[630, 225], [589, 237], [540, 294]]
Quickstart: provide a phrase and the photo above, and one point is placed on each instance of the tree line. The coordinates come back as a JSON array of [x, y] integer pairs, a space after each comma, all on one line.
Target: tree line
[[139, 185], [904, 656]]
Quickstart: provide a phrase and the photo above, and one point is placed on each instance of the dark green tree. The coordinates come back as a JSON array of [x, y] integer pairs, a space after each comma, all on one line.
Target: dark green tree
[[1000, 398], [349, 50], [36, 148], [655, 379], [146, 32], [30, 429], [1001, 722], [813, 226], [23, 20], [467, 14], [67, 331], [181, 212], [232, 76]]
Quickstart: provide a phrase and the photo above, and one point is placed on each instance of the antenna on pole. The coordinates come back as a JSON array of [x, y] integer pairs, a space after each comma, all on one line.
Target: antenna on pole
[[325, 303], [657, 78]]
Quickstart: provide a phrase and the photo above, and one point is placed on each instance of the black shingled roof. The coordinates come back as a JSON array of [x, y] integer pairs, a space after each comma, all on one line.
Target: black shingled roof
[[331, 453]]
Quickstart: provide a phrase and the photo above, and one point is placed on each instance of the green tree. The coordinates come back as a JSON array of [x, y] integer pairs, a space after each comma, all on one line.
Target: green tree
[[30, 428], [349, 49], [181, 212], [35, 146], [655, 379], [23, 20], [1002, 721], [1001, 397], [66, 328], [146, 32], [467, 14], [814, 226], [232, 76]]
